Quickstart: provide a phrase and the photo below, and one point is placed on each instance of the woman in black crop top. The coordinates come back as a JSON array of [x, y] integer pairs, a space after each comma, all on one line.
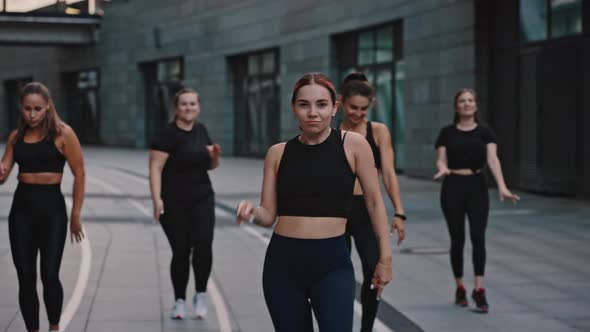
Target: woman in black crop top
[[38, 220], [307, 190], [357, 96], [463, 149], [180, 158]]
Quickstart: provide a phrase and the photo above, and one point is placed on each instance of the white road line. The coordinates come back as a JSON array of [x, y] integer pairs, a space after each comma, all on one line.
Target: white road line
[[216, 297], [379, 326], [81, 283], [220, 307]]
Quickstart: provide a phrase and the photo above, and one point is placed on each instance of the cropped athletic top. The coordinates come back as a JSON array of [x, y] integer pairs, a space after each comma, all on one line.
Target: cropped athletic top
[[315, 180], [374, 148], [38, 157], [373, 144]]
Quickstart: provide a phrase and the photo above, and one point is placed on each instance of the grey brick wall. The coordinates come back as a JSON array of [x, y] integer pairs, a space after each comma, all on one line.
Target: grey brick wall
[[438, 42]]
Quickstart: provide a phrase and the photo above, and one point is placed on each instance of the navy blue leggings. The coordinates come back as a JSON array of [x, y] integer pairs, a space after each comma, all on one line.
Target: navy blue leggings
[[37, 223], [461, 196], [360, 228], [301, 275]]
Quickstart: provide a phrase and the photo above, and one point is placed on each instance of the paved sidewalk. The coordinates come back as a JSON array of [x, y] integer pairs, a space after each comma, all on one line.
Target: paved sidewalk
[[537, 271]]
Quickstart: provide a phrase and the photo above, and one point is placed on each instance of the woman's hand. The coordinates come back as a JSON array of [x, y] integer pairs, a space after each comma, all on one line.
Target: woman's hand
[[505, 193], [399, 225], [76, 232], [214, 151], [443, 171], [382, 276], [158, 208], [244, 212]]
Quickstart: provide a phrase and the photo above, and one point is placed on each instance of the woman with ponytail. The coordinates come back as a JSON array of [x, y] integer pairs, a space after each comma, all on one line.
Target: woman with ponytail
[[357, 96], [37, 222]]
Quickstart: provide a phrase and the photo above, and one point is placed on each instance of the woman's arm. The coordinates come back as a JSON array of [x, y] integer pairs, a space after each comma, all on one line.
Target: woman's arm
[[441, 163], [390, 178], [8, 158], [496, 168], [388, 168], [266, 214], [364, 167], [363, 164], [156, 165], [73, 153]]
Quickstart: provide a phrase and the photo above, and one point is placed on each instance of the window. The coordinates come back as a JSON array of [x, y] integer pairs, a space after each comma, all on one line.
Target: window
[[82, 104], [256, 101], [566, 17], [545, 19], [162, 79], [378, 53]]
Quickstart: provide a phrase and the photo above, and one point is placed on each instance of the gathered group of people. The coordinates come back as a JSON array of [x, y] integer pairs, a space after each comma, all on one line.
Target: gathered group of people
[[320, 192]]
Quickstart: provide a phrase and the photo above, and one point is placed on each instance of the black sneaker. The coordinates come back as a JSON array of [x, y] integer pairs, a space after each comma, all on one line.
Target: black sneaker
[[461, 296], [479, 296]]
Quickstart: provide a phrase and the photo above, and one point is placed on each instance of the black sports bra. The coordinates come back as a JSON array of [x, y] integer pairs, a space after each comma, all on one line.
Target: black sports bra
[[374, 146], [39, 157]]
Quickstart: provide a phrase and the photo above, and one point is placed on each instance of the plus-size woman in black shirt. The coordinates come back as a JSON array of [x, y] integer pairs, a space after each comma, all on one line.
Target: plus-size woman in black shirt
[[463, 149], [183, 198], [307, 191]]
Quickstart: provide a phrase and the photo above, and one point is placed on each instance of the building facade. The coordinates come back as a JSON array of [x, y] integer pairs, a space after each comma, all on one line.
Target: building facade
[[243, 57]]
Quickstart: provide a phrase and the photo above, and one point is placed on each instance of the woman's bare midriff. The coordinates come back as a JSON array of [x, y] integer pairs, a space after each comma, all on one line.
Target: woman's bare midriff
[[310, 227], [465, 171], [40, 178]]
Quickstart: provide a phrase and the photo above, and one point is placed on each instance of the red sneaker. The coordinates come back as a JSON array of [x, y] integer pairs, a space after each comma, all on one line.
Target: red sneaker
[[461, 296], [479, 296]]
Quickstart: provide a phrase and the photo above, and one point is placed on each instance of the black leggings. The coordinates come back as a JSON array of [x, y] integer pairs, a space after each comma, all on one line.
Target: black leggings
[[189, 226], [463, 195], [38, 223], [360, 228], [304, 274]]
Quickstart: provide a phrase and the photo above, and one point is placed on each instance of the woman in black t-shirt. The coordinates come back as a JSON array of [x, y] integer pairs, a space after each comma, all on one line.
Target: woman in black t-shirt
[[183, 198], [463, 149]]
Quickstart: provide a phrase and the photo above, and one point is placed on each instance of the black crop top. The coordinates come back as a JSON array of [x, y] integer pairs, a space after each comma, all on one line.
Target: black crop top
[[374, 147], [465, 149], [373, 144], [315, 180], [38, 157], [185, 175]]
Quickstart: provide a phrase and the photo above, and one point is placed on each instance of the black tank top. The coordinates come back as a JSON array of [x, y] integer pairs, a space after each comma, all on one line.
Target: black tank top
[[373, 144], [374, 147], [315, 180], [39, 157]]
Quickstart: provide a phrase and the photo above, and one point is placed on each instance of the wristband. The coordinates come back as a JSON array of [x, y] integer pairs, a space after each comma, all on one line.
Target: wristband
[[401, 216]]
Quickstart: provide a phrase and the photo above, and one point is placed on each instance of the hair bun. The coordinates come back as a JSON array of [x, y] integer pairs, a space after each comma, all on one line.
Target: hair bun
[[356, 76]]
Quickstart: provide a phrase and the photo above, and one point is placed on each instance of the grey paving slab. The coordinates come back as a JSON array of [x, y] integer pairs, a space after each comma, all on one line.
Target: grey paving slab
[[536, 273]]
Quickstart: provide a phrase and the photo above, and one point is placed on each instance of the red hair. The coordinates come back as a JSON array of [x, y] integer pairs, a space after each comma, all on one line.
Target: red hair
[[314, 78]]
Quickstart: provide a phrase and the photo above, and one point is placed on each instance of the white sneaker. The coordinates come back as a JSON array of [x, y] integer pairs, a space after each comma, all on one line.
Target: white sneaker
[[200, 305], [178, 311]]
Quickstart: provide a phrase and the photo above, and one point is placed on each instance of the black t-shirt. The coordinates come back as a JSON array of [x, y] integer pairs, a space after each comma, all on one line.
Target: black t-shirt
[[465, 148], [185, 177]]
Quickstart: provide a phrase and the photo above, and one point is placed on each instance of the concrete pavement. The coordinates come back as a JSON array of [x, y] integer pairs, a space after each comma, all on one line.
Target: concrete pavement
[[537, 271]]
